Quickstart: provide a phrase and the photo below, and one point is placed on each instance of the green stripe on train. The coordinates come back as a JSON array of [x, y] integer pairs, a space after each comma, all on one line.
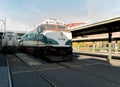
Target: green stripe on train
[[52, 41], [69, 42]]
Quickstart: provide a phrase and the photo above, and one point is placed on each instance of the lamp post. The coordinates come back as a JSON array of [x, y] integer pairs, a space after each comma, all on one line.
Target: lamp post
[[4, 23]]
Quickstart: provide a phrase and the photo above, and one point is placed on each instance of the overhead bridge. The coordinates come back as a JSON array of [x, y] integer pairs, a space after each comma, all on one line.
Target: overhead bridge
[[107, 26]]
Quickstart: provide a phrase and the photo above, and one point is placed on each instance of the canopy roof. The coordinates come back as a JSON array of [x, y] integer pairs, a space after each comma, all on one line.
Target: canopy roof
[[112, 25]]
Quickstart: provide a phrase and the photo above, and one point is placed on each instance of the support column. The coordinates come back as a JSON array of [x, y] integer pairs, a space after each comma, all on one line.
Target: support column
[[79, 46], [116, 48], [109, 43], [93, 46]]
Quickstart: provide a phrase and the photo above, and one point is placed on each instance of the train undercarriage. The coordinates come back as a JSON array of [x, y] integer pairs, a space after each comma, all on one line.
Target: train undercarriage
[[50, 53], [9, 49], [59, 53]]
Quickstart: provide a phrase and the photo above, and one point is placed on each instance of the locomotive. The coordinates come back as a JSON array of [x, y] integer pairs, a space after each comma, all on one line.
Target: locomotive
[[9, 41], [51, 39]]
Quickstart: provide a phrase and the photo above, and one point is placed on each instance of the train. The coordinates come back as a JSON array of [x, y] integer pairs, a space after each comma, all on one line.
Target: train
[[9, 41], [50, 39]]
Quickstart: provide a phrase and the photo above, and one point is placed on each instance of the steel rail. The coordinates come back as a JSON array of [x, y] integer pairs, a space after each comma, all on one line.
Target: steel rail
[[9, 74]]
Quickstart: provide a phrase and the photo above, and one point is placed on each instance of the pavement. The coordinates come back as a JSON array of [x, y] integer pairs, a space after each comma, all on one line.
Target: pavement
[[115, 62], [3, 72]]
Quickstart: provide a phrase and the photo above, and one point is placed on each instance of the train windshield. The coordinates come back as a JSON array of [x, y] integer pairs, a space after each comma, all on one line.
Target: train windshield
[[48, 26], [10, 32], [61, 27], [10, 35]]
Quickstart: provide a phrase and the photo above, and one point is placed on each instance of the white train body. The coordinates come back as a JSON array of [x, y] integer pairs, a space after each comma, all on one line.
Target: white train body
[[50, 38], [9, 41]]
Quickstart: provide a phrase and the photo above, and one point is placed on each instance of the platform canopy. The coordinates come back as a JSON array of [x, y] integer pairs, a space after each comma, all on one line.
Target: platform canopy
[[111, 25]]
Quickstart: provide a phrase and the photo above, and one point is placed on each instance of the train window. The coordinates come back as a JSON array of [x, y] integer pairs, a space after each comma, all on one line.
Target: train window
[[50, 26], [52, 22], [10, 32], [61, 27], [10, 35], [61, 23]]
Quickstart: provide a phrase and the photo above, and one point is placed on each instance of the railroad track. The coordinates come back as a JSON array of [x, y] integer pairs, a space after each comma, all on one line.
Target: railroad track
[[9, 74], [30, 68]]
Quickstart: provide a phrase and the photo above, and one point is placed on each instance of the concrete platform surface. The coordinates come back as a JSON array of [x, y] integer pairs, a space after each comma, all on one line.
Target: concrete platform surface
[[3, 77]]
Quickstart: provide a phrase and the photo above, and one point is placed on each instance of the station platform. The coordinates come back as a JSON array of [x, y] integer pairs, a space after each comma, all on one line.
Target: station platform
[[99, 54], [102, 56], [4, 80], [4, 77]]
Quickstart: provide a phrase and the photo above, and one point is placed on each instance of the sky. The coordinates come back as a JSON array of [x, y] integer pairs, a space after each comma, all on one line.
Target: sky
[[23, 15]]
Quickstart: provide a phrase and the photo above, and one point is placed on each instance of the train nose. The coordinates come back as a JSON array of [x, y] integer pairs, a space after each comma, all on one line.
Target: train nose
[[10, 41], [9, 44]]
